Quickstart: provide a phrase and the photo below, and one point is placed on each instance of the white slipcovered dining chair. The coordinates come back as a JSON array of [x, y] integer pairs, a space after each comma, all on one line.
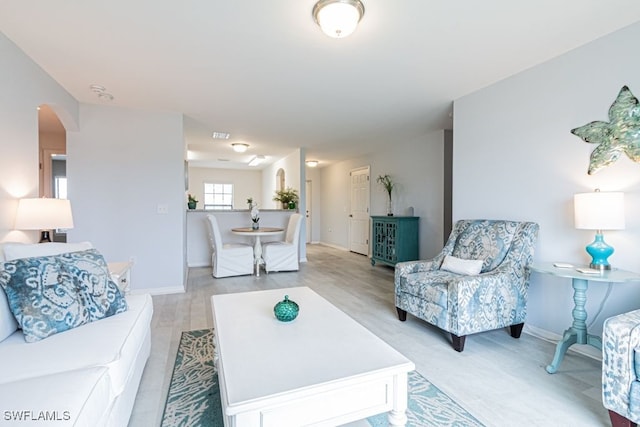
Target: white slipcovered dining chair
[[284, 255], [228, 259]]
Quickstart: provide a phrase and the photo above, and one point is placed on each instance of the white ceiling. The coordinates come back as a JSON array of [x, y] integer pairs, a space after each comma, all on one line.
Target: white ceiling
[[264, 72]]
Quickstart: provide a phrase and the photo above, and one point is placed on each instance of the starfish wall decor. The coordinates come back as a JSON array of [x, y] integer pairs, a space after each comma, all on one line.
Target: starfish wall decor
[[621, 134]]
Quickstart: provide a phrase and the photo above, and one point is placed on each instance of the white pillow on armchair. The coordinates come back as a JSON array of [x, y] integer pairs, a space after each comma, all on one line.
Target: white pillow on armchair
[[469, 267]]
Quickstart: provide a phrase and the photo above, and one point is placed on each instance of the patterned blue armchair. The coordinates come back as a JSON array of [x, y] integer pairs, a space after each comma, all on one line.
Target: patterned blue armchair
[[621, 368], [463, 304]]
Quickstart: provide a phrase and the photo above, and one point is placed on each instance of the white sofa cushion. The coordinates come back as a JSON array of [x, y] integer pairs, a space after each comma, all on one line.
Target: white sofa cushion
[[113, 342], [8, 324], [77, 398], [21, 250], [2, 245]]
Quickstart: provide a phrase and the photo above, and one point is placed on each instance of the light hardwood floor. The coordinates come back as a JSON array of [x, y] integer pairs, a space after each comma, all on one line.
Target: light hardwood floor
[[498, 379]]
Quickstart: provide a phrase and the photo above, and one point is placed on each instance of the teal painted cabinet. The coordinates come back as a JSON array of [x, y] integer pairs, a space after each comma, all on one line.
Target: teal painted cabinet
[[395, 239]]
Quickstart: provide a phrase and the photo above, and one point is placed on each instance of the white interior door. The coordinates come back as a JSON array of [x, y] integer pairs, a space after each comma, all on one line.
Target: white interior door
[[308, 213], [359, 215]]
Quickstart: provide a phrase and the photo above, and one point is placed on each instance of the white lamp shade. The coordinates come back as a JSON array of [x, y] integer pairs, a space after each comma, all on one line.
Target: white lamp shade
[[43, 214], [599, 210], [338, 18]]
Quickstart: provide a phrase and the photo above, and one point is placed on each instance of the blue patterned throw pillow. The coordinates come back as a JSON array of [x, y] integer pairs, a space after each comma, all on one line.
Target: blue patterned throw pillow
[[52, 294], [89, 272], [42, 297]]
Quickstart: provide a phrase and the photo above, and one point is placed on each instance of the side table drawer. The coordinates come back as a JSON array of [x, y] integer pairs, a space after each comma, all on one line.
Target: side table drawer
[[121, 274]]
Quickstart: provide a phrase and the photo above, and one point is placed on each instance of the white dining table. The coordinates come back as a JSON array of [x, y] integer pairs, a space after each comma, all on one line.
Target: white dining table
[[257, 245]]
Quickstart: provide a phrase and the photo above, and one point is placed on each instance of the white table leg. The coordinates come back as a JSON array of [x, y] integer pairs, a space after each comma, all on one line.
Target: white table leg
[[398, 415], [257, 255]]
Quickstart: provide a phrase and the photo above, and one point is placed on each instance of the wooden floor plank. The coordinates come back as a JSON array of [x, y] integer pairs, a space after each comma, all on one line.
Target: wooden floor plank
[[500, 380]]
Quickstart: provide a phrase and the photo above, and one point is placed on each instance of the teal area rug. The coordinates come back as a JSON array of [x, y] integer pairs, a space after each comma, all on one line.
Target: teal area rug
[[194, 395]]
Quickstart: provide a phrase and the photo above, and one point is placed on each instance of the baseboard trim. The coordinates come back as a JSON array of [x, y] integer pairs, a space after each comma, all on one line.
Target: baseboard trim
[[543, 334], [331, 245], [199, 264], [160, 291]]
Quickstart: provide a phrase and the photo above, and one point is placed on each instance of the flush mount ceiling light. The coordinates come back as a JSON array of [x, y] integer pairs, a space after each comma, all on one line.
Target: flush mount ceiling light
[[311, 163], [102, 93], [338, 18], [105, 96], [220, 135], [257, 160], [239, 147]]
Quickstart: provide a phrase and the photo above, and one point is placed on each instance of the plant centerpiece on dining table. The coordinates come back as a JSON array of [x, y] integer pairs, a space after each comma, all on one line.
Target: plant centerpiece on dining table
[[288, 197], [255, 213], [387, 183]]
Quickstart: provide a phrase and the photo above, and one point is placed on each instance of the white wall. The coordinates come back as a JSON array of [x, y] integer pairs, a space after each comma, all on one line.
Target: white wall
[[122, 166], [515, 158], [314, 202], [246, 183], [291, 166], [417, 169], [24, 86]]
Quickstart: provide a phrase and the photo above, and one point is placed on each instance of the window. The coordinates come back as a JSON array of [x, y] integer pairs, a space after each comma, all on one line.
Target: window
[[218, 196], [60, 187]]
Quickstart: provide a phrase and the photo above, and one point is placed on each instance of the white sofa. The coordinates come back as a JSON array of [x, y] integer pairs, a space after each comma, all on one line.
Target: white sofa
[[86, 376]]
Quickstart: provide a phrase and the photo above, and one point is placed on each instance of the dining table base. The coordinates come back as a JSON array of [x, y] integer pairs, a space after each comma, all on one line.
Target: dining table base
[[257, 255], [257, 245]]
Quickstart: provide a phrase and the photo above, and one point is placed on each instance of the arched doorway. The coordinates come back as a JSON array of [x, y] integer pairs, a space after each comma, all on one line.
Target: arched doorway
[[280, 180], [52, 157]]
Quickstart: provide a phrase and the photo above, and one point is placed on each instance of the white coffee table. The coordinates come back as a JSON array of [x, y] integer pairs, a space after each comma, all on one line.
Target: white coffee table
[[321, 369]]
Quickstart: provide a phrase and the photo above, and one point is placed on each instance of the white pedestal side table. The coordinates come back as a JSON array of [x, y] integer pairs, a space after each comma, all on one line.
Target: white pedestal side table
[[577, 332]]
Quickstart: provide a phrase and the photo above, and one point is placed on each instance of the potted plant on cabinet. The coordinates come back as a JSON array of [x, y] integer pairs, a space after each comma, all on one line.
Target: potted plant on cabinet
[[192, 202], [288, 197], [387, 183]]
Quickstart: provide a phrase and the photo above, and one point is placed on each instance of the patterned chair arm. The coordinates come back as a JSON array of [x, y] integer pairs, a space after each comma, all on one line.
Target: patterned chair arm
[[621, 336], [402, 269], [487, 301]]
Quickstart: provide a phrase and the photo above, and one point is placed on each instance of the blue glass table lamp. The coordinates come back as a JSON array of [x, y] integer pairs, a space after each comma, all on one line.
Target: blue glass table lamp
[[599, 211]]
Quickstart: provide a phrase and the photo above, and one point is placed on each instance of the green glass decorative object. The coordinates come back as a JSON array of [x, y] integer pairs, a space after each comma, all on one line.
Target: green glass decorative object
[[286, 310], [621, 134]]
